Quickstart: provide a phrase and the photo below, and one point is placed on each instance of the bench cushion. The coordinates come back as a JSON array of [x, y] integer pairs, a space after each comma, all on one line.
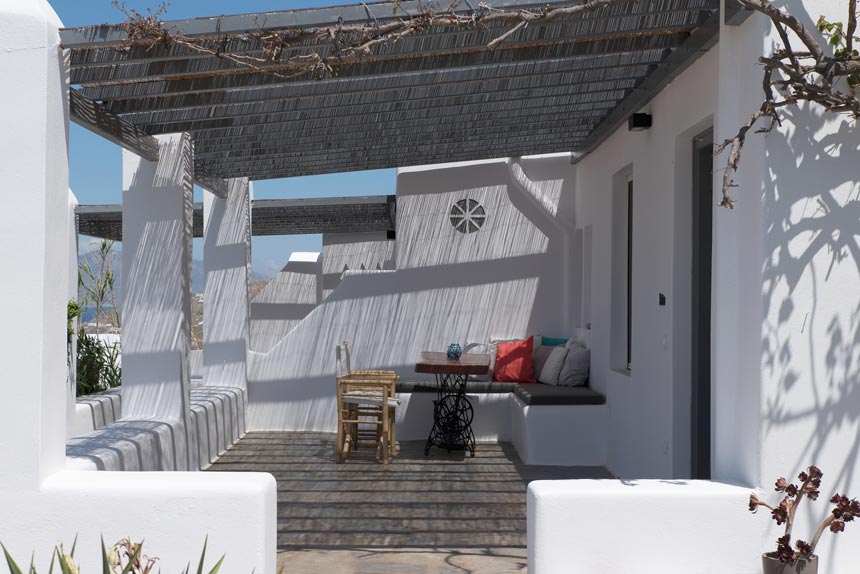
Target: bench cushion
[[538, 394], [473, 387]]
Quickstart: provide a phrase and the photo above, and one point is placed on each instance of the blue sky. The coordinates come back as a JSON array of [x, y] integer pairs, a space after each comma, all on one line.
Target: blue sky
[[96, 165]]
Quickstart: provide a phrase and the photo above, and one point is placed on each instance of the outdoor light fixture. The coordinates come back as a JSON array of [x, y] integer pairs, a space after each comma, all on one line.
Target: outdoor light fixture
[[639, 122]]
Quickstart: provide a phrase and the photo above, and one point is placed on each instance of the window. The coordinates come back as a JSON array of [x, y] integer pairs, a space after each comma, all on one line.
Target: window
[[629, 271], [621, 326]]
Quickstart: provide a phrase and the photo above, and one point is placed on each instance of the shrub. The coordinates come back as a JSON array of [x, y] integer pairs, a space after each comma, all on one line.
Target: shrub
[[97, 365]]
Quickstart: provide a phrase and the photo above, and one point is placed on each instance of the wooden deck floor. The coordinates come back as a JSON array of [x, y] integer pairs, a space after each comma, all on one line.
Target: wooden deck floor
[[444, 513]]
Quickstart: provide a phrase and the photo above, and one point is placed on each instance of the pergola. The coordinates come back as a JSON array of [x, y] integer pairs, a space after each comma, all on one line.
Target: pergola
[[270, 216], [438, 96], [444, 93]]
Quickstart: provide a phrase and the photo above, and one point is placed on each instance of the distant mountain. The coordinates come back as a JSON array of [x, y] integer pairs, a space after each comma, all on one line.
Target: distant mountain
[[115, 265]]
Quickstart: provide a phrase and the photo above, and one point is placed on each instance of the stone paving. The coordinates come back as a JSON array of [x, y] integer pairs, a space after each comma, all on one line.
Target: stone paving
[[446, 513]]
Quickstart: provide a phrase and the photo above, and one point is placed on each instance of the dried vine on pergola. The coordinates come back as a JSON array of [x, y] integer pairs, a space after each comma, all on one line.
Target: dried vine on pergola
[[790, 76], [350, 43]]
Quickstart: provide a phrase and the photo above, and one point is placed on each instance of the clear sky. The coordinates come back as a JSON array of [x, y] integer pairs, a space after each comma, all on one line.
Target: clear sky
[[96, 166]]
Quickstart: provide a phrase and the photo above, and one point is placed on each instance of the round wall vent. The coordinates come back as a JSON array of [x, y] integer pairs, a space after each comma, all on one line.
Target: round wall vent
[[467, 216]]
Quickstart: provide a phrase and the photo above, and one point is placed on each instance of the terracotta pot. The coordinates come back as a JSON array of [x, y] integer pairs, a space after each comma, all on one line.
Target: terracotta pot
[[770, 564]]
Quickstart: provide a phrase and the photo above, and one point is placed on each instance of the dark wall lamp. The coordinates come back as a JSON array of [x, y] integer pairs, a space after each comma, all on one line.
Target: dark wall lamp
[[639, 122]]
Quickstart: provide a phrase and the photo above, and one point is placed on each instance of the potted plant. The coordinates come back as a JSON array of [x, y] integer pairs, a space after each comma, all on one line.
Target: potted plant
[[801, 557]]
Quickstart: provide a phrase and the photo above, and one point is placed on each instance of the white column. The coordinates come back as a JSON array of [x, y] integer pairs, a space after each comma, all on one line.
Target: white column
[[71, 361], [33, 243], [156, 267], [227, 264]]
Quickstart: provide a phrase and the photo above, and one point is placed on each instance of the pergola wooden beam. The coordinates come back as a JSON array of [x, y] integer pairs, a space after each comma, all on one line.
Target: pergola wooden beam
[[96, 118], [270, 216]]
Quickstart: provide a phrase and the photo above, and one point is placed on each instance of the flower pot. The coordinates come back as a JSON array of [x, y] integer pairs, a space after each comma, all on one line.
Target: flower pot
[[770, 564]]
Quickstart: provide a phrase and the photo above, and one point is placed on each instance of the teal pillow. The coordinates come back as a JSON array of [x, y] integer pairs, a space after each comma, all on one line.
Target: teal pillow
[[553, 342]]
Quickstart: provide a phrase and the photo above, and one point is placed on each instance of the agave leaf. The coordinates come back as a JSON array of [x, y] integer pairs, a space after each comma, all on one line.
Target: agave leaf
[[187, 568], [105, 562], [217, 565], [64, 568], [13, 568], [74, 545], [203, 555], [32, 569], [133, 559], [53, 558]]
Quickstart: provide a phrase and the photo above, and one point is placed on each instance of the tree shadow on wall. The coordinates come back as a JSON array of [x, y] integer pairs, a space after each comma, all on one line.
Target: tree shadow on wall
[[811, 252]]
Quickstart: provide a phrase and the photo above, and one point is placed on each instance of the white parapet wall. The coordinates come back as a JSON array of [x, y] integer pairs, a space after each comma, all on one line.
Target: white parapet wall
[[641, 526], [288, 298], [172, 512], [354, 252]]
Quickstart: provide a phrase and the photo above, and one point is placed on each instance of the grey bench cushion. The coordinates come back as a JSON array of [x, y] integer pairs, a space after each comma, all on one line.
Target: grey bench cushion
[[473, 387], [538, 394]]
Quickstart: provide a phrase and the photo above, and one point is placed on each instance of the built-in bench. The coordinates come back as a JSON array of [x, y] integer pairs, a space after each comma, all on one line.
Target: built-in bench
[[548, 425], [106, 441], [538, 394]]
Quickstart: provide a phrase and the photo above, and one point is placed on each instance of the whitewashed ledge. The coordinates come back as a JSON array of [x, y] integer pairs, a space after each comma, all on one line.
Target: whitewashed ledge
[[630, 526], [96, 411], [105, 441]]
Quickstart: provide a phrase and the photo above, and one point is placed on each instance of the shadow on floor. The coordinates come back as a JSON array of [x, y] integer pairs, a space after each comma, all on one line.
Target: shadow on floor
[[442, 513]]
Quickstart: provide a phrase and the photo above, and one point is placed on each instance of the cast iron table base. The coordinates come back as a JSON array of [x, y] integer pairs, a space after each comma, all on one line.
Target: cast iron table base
[[452, 416]]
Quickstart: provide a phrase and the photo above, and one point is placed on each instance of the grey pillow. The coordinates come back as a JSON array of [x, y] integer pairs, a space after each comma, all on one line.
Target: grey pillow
[[550, 371], [574, 373], [541, 356]]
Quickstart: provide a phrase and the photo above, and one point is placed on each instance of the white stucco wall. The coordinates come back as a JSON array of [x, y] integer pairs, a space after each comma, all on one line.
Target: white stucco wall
[[506, 280], [172, 512], [786, 273], [646, 438], [34, 236], [787, 277]]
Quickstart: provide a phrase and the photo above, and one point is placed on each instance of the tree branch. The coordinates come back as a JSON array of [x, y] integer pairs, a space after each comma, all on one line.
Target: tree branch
[[800, 76]]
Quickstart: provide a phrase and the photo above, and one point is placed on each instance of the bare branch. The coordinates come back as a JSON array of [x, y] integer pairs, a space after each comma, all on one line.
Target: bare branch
[[800, 76], [793, 23]]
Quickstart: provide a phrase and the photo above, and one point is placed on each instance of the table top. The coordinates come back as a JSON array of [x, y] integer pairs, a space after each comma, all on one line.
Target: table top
[[439, 363]]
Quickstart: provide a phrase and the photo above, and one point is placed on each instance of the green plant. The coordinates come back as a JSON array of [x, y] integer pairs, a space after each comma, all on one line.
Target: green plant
[[96, 280], [97, 365], [111, 375], [124, 557]]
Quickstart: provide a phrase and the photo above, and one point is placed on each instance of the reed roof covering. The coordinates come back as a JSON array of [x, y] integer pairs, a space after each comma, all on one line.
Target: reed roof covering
[[437, 96]]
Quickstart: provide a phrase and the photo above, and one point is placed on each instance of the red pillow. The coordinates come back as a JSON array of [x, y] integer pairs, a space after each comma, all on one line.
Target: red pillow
[[514, 362]]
